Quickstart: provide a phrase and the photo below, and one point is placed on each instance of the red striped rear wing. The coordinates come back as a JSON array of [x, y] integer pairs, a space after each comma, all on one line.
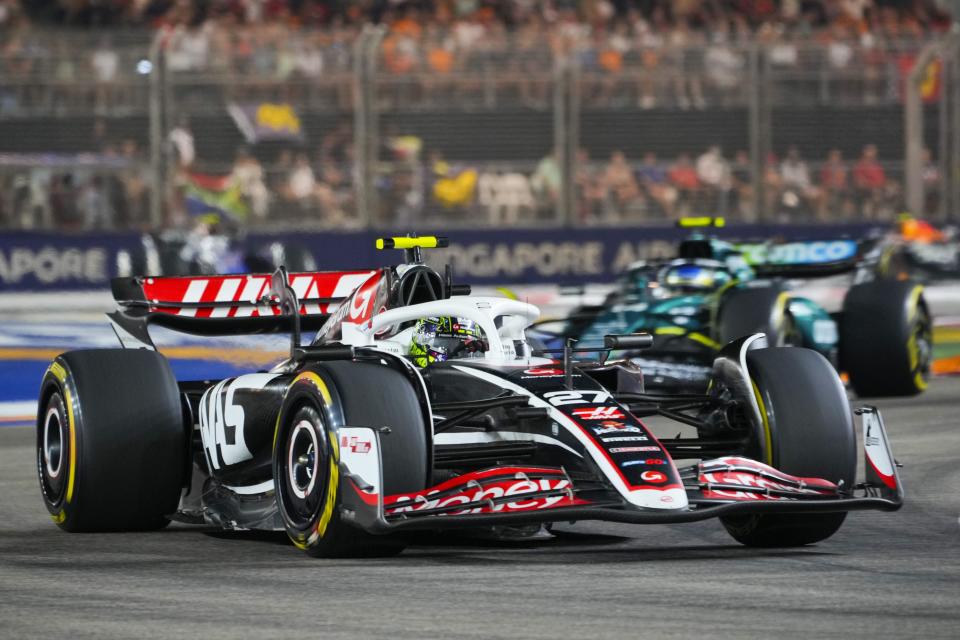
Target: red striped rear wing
[[236, 296]]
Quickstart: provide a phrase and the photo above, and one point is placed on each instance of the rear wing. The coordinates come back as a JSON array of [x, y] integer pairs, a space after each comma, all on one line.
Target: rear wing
[[227, 305], [321, 301], [802, 259]]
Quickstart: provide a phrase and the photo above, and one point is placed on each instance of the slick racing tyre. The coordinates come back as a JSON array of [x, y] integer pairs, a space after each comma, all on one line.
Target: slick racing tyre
[[806, 431], [744, 312], [111, 440], [886, 339], [306, 455]]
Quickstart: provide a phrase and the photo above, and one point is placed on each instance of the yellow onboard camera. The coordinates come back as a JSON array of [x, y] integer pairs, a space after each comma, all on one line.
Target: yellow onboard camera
[[412, 245], [415, 242], [701, 221]]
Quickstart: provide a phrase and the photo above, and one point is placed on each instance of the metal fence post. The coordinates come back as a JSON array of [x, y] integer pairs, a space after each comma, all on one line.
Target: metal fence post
[[950, 178], [944, 109], [157, 139], [360, 178], [913, 129], [560, 132], [366, 122], [565, 108], [758, 129]]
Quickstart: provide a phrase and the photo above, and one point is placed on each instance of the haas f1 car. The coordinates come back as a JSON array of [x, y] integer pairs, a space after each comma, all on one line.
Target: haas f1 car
[[418, 406]]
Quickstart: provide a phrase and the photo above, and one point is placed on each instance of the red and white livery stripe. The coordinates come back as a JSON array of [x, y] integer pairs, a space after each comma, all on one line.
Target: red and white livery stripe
[[165, 294], [671, 496]]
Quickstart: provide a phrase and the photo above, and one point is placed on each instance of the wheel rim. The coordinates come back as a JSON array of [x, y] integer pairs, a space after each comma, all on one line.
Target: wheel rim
[[52, 443], [302, 459], [302, 477]]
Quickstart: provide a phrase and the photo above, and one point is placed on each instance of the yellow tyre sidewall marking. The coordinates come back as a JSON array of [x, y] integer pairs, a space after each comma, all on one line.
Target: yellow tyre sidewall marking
[[334, 480], [767, 436], [305, 541], [58, 372]]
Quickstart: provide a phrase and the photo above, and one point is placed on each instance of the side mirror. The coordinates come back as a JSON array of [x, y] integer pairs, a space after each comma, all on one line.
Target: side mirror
[[628, 341]]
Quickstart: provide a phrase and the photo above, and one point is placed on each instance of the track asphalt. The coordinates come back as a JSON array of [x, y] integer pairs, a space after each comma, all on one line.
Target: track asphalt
[[882, 576]]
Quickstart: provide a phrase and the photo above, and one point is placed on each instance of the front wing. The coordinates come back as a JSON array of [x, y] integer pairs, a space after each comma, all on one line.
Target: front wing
[[512, 495]]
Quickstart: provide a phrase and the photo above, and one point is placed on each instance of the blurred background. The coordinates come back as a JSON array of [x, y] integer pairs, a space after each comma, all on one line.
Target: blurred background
[[202, 135], [307, 114]]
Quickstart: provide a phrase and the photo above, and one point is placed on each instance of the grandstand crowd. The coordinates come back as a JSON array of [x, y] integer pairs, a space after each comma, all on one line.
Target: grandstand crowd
[[634, 55], [688, 53]]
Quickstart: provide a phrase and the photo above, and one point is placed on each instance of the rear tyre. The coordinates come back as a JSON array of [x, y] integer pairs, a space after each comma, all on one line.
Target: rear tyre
[[807, 431], [744, 312], [886, 339], [306, 454], [111, 442]]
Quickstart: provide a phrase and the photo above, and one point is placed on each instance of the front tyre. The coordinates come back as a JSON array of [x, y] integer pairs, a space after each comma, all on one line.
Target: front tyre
[[307, 481], [306, 458], [806, 430]]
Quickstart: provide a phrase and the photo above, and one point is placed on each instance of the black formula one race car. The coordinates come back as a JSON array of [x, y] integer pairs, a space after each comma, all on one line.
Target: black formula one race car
[[420, 407]]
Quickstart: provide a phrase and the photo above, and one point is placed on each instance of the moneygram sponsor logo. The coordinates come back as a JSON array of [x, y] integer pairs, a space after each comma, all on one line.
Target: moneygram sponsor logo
[[519, 489], [632, 449], [626, 438], [598, 413]]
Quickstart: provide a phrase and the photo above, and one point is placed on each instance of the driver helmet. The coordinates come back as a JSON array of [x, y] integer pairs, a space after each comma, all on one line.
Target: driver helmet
[[443, 338], [693, 277]]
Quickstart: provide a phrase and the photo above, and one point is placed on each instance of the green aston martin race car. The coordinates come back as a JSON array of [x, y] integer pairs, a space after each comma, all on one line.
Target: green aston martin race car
[[717, 291]]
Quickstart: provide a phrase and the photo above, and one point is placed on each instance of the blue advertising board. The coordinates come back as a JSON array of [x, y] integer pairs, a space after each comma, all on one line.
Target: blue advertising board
[[50, 262], [41, 261], [565, 256]]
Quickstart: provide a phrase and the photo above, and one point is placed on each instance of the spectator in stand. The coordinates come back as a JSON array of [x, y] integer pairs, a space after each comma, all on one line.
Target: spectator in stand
[[590, 191], [724, 66], [182, 143], [131, 186], [95, 206], [869, 181], [649, 40], [104, 62], [772, 184], [840, 56], [546, 181], [741, 183], [301, 183], [713, 170], [623, 193], [683, 176], [835, 184], [335, 194], [686, 50], [798, 191], [336, 143], [440, 64], [247, 174], [653, 180]]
